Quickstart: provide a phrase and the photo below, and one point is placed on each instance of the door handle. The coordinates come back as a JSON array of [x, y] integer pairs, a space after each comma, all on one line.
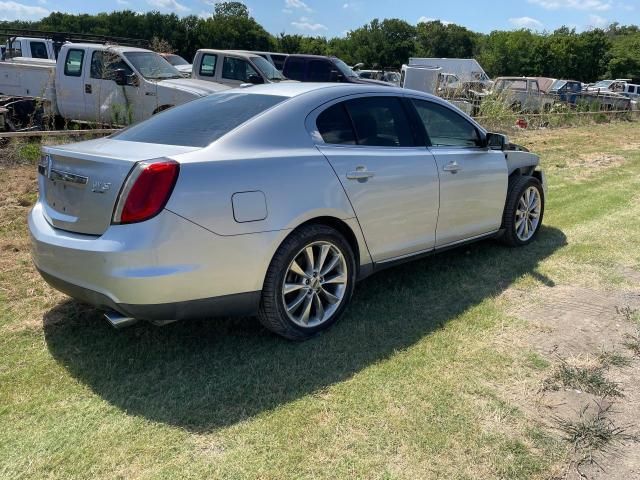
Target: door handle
[[361, 174], [452, 167], [87, 88]]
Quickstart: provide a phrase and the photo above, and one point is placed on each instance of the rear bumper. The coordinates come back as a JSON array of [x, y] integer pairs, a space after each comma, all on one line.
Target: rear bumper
[[166, 268], [242, 304]]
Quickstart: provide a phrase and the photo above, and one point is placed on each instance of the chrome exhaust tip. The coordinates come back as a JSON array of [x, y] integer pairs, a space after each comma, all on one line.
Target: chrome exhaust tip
[[117, 320]]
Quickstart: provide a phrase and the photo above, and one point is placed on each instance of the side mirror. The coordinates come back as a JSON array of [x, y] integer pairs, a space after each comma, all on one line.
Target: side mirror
[[120, 77], [496, 141], [255, 79]]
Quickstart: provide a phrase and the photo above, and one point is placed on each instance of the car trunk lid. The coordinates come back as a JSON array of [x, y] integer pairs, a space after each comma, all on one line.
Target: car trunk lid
[[80, 183]]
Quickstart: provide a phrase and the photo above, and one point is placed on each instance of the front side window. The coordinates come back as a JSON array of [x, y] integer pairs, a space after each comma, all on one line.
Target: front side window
[[335, 126], [200, 122], [445, 127], [39, 50], [208, 65], [105, 64], [380, 121], [73, 63], [237, 69]]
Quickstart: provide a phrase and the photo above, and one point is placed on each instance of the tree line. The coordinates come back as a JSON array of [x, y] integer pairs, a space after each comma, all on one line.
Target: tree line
[[612, 52]]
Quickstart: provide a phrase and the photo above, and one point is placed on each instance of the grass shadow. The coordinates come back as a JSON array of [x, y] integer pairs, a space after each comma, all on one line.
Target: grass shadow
[[203, 375]]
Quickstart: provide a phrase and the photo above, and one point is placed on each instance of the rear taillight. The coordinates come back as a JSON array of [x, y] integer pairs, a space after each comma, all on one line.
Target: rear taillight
[[146, 191]]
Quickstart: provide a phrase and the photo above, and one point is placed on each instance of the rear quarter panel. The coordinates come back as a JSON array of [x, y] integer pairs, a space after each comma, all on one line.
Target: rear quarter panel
[[298, 185]]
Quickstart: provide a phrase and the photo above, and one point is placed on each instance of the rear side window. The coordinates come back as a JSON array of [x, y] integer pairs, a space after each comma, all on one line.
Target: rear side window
[[319, 71], [38, 50], [208, 65], [335, 126], [445, 127], [380, 121], [294, 69], [199, 122], [73, 63]]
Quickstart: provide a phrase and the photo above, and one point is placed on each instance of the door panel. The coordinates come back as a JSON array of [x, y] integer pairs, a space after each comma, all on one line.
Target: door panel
[[397, 206], [70, 95], [473, 187]]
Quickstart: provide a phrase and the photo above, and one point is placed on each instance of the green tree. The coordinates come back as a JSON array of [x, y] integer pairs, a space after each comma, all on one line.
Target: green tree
[[436, 39]]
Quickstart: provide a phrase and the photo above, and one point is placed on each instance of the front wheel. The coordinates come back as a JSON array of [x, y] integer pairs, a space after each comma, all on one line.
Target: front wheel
[[523, 211], [308, 284]]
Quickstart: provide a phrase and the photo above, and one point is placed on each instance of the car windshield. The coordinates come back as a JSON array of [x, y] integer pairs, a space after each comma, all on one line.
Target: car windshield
[[200, 122], [558, 84], [268, 69], [344, 68], [175, 60], [603, 83], [152, 66]]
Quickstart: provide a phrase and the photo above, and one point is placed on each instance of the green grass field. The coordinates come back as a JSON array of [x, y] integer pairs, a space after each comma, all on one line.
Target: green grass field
[[410, 384]]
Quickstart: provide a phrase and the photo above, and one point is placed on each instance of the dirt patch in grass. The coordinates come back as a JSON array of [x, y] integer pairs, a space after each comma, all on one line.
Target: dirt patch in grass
[[590, 396]]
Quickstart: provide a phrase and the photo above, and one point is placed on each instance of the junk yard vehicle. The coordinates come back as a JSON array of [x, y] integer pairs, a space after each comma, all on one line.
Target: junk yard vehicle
[[234, 68], [276, 205], [92, 82]]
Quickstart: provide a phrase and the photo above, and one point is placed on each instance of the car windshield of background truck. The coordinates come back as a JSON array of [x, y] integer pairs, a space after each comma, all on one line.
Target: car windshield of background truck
[[152, 66], [200, 122]]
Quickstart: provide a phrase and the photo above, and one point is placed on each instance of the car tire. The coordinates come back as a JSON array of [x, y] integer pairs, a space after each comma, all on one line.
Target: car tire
[[309, 283], [523, 212]]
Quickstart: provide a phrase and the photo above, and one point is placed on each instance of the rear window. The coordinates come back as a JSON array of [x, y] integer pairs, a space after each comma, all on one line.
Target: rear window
[[199, 122]]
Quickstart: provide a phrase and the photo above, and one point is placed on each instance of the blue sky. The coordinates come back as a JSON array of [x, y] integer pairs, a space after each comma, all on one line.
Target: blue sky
[[336, 17]]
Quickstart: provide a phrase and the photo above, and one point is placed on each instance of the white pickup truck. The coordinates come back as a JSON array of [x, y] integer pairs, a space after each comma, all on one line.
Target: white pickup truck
[[234, 68], [25, 47], [101, 83]]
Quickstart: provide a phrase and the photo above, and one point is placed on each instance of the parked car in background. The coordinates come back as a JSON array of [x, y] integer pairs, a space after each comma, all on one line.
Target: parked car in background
[[234, 68], [276, 59], [573, 93], [100, 83], [382, 75], [527, 94], [25, 47], [180, 63], [317, 68], [467, 70], [273, 200]]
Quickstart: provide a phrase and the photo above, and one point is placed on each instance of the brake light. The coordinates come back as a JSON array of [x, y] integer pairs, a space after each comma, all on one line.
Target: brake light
[[146, 191]]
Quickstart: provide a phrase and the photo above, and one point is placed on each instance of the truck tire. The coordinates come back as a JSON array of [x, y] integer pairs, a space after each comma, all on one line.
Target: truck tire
[[523, 212]]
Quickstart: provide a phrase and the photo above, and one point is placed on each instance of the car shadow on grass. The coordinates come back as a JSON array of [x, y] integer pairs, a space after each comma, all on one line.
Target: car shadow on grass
[[203, 375]]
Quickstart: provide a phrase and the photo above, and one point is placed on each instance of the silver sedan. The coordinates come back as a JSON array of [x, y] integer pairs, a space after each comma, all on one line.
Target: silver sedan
[[273, 200]]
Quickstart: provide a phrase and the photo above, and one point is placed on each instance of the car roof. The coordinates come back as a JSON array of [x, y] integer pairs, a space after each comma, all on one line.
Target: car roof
[[105, 46], [305, 55], [294, 89]]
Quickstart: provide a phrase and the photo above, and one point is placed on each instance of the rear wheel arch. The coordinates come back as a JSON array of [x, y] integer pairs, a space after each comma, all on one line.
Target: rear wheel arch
[[343, 228]]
